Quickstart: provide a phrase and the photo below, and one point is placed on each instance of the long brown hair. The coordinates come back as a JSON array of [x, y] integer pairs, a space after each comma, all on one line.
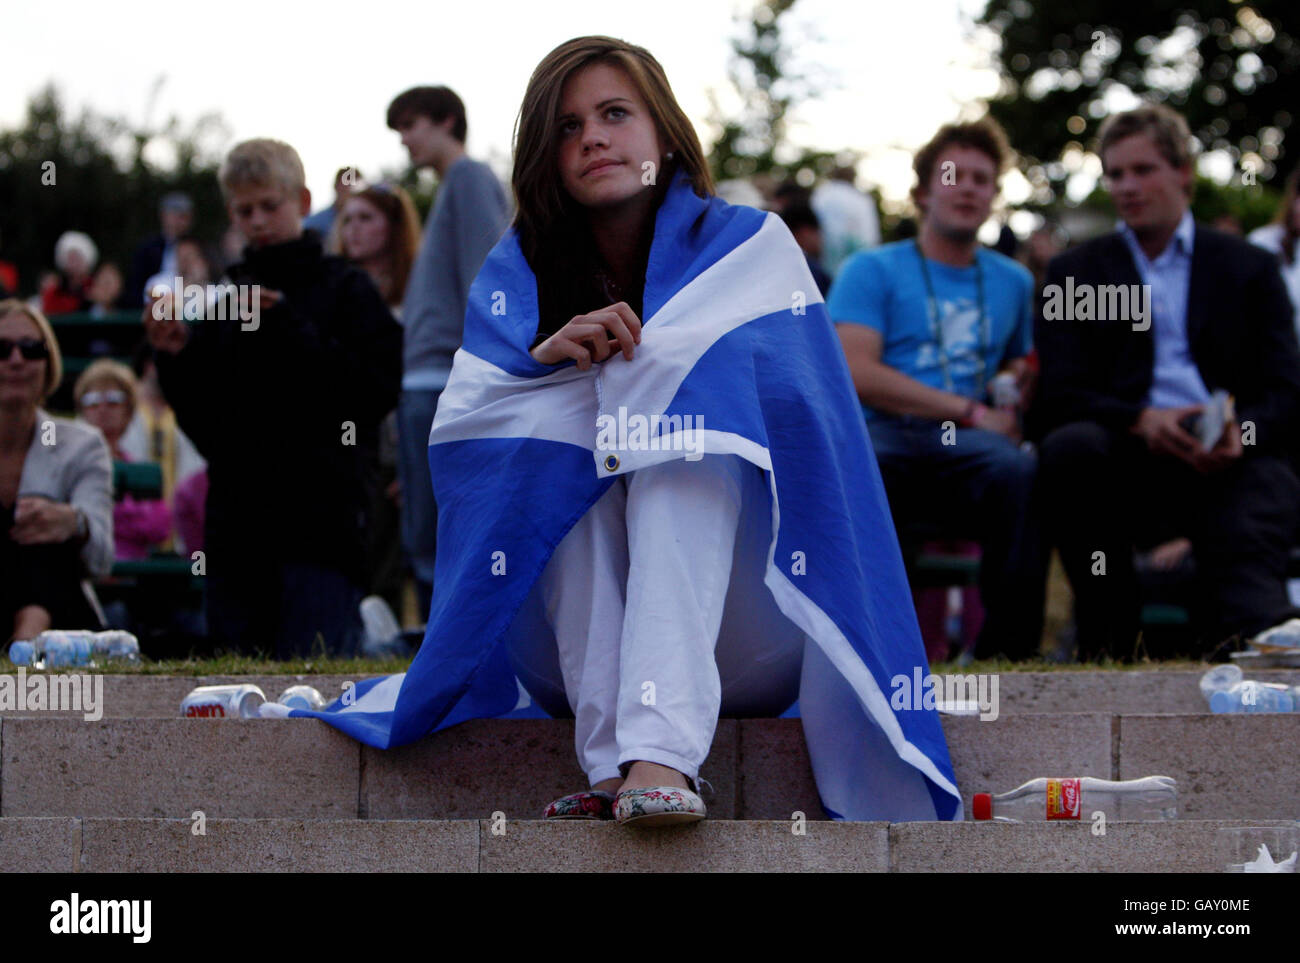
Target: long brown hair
[[544, 206], [403, 233]]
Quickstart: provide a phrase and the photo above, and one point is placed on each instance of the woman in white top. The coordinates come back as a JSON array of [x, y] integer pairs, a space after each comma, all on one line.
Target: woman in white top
[[56, 489], [1280, 238]]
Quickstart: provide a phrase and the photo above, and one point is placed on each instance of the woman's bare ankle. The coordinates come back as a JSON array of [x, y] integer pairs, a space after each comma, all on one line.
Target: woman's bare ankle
[[610, 786], [645, 774]]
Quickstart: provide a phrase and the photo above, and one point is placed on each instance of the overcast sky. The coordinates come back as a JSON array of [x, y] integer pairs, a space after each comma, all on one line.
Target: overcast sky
[[320, 76]]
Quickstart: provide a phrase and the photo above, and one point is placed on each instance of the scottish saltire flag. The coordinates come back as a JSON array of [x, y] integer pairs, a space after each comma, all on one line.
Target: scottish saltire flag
[[735, 335]]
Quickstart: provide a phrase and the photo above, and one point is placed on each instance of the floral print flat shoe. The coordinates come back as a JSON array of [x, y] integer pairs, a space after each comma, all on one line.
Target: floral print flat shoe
[[658, 806], [592, 804]]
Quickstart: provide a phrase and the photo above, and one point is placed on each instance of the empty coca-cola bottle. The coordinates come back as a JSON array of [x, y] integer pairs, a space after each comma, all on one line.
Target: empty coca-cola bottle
[[1151, 798]]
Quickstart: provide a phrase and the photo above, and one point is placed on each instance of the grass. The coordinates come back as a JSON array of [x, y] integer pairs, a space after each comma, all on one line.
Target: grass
[[246, 665], [991, 666], [258, 665]]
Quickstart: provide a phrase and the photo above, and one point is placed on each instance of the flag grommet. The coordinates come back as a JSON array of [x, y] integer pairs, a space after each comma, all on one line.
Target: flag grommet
[[611, 462]]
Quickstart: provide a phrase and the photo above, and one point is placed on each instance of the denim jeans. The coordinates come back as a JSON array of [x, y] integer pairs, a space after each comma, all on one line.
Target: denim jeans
[[415, 411], [980, 486]]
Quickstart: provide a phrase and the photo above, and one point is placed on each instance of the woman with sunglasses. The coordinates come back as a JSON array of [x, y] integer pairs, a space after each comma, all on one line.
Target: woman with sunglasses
[[56, 489]]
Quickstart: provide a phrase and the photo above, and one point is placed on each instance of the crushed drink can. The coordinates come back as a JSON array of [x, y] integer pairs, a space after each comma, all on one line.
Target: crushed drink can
[[1003, 391], [223, 702], [302, 697]]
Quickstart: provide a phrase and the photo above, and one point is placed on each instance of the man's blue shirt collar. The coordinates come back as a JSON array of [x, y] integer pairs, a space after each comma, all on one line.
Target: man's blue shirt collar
[[1180, 243]]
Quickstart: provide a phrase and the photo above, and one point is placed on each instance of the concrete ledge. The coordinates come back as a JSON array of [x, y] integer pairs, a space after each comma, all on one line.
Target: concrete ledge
[[776, 777], [1179, 846], [709, 846], [39, 845], [1117, 692], [349, 845], [159, 696], [279, 846], [172, 767], [1227, 767], [515, 767], [1019, 693]]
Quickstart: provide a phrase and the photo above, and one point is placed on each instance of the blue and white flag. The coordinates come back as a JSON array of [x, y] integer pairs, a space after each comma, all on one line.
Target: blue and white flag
[[736, 335]]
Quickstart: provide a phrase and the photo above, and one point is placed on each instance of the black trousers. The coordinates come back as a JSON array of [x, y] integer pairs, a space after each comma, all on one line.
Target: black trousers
[[45, 575], [1106, 493], [982, 486]]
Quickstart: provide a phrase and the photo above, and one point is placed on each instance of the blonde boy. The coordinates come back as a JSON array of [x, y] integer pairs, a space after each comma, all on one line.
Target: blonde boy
[[286, 409]]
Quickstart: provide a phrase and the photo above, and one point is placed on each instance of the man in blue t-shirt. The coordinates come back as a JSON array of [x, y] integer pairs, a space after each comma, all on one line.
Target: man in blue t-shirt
[[927, 324]]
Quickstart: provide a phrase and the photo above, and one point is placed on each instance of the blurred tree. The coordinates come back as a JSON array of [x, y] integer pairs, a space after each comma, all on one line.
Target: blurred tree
[[1229, 67], [754, 141], [1252, 205], [95, 174]]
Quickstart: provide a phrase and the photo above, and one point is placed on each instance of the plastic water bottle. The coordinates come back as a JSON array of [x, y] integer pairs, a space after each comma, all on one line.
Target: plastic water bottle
[[117, 646], [82, 646], [56, 649], [1251, 696], [63, 648], [302, 697], [22, 652], [1151, 798], [1279, 637], [1220, 679]]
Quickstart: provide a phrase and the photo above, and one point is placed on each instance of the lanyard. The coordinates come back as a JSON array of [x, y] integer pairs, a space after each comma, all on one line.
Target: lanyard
[[936, 329]]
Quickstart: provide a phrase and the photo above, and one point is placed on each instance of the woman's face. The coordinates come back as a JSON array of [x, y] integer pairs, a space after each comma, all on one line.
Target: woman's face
[[75, 265], [21, 381], [106, 406], [606, 136], [363, 230], [106, 286]]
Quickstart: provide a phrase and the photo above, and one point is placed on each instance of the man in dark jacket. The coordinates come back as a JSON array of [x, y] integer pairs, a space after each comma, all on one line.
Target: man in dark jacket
[[157, 255], [282, 389], [1142, 336]]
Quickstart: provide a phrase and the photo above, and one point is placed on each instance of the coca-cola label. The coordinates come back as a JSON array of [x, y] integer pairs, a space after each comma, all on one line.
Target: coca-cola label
[[1064, 799], [206, 711]]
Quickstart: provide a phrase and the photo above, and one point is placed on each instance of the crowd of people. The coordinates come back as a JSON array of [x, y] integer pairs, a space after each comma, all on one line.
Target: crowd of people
[[294, 446]]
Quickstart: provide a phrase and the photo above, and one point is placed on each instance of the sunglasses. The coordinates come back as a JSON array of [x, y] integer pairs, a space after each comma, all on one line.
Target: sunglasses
[[32, 349], [110, 397]]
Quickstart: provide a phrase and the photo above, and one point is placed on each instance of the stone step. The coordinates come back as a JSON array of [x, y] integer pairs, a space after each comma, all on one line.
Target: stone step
[[61, 844], [128, 696], [1226, 766]]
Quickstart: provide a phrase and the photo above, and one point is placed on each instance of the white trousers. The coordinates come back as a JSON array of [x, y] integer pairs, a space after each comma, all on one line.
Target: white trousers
[[652, 619]]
